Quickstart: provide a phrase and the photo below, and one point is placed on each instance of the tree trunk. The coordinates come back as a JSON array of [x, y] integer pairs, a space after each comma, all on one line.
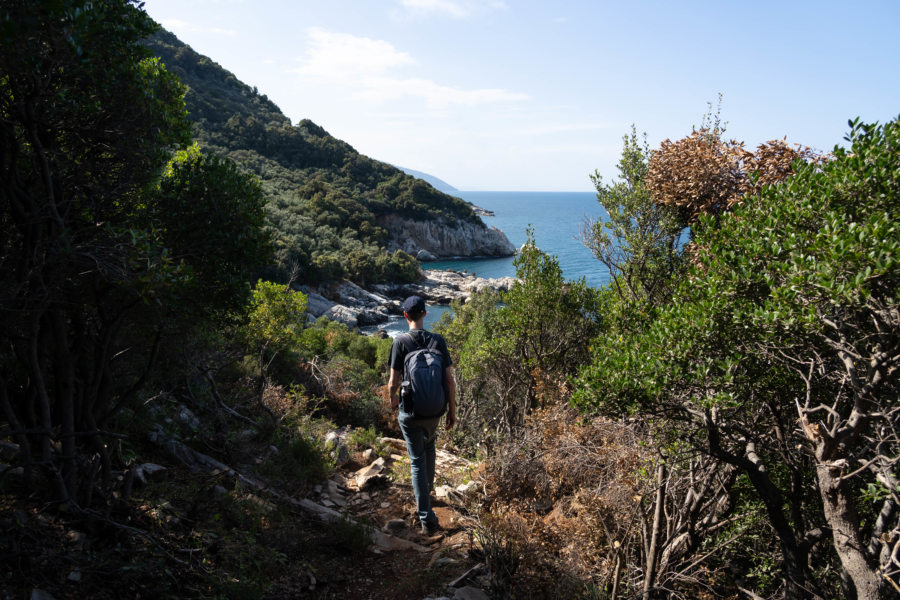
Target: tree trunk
[[840, 512], [654, 534], [794, 567], [64, 378]]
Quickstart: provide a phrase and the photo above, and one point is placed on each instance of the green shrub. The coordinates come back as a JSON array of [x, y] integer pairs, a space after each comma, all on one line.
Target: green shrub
[[351, 535], [777, 355], [362, 438]]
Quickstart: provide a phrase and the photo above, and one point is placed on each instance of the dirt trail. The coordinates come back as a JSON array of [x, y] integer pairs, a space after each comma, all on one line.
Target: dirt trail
[[403, 563]]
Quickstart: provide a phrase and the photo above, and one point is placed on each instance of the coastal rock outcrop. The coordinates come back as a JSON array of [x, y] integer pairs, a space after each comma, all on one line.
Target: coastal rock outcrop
[[442, 287], [439, 238], [355, 307], [350, 304]]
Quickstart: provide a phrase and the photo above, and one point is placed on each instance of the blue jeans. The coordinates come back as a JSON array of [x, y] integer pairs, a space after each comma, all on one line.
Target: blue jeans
[[420, 435]]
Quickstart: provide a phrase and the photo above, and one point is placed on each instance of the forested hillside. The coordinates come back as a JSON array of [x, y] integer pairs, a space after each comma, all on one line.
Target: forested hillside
[[324, 198]]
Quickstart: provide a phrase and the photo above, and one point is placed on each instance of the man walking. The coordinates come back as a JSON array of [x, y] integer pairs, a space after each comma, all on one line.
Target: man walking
[[420, 432]]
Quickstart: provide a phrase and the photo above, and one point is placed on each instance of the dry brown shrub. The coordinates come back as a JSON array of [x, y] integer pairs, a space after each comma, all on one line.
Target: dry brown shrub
[[504, 541], [278, 400], [704, 174], [328, 380], [575, 482], [698, 174]]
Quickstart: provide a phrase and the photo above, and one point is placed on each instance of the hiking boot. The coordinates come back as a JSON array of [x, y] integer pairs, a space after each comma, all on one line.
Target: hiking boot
[[430, 529]]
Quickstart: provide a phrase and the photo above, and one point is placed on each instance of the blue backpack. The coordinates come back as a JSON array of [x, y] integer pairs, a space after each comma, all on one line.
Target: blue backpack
[[422, 390]]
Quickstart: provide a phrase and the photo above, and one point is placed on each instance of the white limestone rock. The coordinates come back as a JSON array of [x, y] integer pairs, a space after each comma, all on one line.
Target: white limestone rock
[[444, 239]]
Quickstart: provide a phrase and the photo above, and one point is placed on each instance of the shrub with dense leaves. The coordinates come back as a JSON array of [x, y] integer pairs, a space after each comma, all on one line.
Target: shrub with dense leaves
[[506, 353], [638, 241], [779, 356]]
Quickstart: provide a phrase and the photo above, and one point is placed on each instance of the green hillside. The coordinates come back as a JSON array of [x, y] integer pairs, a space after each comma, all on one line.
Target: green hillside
[[323, 196]]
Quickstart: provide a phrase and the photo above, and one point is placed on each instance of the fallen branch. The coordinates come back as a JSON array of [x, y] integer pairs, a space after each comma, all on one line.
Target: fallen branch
[[476, 570], [221, 403], [197, 461]]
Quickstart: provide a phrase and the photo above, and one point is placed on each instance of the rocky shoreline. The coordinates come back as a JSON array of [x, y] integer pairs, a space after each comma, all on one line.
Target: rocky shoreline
[[357, 307]]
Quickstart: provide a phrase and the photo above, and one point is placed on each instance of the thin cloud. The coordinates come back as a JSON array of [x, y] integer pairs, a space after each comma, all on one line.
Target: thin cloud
[[455, 9], [347, 58], [436, 96], [369, 66], [553, 129], [446, 7], [175, 24]]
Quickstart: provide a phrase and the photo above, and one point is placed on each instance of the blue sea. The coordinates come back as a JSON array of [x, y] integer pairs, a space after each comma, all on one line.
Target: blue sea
[[556, 218]]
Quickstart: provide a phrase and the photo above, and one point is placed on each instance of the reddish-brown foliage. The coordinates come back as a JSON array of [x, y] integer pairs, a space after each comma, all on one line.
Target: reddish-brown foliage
[[704, 174]]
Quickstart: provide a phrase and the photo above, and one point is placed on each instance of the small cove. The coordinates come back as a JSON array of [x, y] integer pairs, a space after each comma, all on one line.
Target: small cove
[[556, 218]]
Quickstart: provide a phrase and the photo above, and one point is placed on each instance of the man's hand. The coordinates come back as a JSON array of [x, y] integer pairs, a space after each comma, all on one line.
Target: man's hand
[[451, 420], [394, 387]]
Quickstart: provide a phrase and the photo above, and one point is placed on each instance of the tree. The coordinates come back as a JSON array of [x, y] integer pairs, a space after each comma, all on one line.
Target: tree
[[210, 217], [508, 353], [87, 120], [638, 241], [779, 356], [95, 254], [277, 315]]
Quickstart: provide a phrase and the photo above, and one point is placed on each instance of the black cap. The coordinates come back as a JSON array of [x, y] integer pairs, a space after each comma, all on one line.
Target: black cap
[[414, 305]]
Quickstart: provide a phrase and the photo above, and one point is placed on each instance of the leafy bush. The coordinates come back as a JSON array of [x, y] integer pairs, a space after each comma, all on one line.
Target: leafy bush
[[638, 242], [347, 369], [509, 355], [362, 438], [299, 431], [789, 317]]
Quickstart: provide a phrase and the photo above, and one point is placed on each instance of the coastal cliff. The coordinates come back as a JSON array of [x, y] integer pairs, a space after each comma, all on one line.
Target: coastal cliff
[[441, 238]]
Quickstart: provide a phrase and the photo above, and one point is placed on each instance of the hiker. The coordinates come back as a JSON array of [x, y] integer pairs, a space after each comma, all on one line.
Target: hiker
[[419, 431]]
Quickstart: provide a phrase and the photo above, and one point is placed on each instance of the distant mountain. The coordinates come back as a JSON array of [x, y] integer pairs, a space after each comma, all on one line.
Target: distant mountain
[[332, 211], [438, 184]]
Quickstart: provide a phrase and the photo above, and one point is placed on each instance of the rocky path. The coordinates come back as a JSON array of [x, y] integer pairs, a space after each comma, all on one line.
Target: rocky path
[[376, 490], [370, 495]]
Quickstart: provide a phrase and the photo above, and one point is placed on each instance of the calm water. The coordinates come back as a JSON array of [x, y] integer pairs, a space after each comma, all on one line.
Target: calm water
[[556, 218], [398, 325]]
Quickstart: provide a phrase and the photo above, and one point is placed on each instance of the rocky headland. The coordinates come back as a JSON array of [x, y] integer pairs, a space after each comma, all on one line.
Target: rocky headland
[[357, 307], [441, 238]]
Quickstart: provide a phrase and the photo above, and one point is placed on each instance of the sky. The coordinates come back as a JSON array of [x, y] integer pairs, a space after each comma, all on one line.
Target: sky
[[536, 95]]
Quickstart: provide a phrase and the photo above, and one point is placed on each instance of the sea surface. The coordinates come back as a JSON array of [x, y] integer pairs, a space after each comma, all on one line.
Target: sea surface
[[555, 217]]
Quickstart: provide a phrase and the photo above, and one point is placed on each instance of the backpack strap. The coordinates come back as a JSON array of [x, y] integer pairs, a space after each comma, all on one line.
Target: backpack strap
[[408, 341], [411, 342]]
